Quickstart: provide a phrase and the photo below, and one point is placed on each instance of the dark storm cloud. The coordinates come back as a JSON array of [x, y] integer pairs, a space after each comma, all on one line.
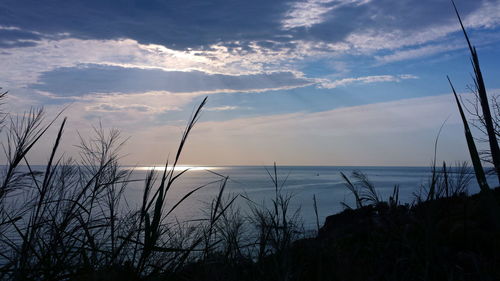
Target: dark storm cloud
[[176, 24], [180, 24], [86, 79]]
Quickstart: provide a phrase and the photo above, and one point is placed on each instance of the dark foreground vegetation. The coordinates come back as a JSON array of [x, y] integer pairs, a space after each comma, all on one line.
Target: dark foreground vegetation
[[444, 239], [70, 221]]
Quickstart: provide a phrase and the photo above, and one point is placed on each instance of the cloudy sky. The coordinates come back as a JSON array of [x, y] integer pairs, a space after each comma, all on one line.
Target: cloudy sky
[[325, 82]]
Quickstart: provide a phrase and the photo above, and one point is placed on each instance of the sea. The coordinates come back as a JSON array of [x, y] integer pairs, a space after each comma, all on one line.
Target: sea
[[255, 186]]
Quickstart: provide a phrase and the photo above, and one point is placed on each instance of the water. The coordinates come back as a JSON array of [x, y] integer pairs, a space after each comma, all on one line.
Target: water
[[302, 182]]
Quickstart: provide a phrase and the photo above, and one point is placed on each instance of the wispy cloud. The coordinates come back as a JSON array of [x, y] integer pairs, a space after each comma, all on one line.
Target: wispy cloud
[[223, 108], [307, 13], [312, 12], [107, 107], [417, 53], [366, 80], [485, 14], [361, 135], [363, 119]]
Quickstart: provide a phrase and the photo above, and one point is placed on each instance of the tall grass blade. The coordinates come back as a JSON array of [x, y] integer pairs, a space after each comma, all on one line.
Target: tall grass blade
[[474, 155], [353, 189], [316, 212], [490, 203], [483, 98]]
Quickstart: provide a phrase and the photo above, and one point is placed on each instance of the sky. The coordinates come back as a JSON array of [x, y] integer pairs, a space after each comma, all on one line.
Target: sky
[[315, 82]]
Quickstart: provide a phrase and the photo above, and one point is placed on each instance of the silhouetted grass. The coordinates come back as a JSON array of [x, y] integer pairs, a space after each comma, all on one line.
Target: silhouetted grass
[[70, 221], [480, 89], [492, 207], [72, 225]]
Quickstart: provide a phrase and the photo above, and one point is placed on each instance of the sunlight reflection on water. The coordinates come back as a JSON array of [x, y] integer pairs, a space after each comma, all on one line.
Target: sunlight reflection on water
[[169, 168]]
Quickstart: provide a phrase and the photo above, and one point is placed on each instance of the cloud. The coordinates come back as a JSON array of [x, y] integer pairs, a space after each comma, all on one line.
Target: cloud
[[402, 28], [487, 16], [12, 37], [102, 79], [107, 107], [377, 118], [366, 80], [129, 112], [136, 64], [358, 135], [231, 38], [306, 14], [28, 63], [239, 24], [223, 108], [312, 12], [175, 24], [417, 53]]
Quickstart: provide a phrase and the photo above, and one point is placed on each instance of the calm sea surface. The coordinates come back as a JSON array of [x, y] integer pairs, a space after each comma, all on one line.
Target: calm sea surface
[[301, 182]]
